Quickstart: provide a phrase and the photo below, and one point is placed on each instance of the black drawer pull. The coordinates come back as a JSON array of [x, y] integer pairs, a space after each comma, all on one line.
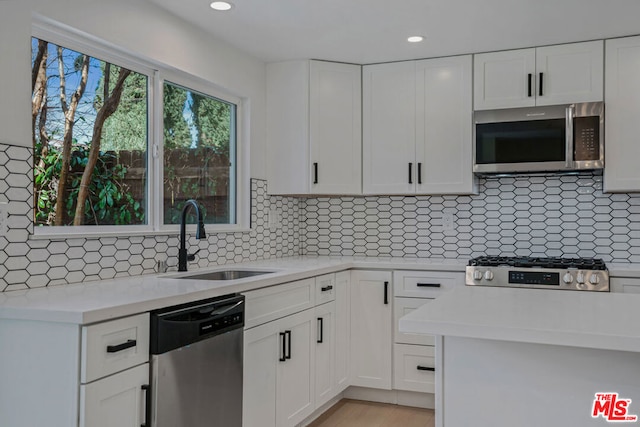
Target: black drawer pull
[[428, 285], [326, 288], [425, 368], [120, 347]]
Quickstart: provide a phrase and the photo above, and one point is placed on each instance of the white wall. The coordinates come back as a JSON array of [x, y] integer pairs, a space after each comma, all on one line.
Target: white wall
[[140, 27]]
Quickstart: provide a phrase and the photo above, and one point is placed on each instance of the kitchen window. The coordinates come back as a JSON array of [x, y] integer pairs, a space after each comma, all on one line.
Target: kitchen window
[[120, 144]]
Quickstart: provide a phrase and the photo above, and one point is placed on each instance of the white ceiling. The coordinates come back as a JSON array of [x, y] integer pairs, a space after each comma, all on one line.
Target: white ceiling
[[370, 31]]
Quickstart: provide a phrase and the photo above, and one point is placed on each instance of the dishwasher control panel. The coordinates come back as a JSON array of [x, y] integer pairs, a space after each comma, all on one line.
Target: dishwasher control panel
[[182, 325]]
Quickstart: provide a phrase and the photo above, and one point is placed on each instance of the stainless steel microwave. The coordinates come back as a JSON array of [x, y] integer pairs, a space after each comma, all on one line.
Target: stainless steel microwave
[[539, 139]]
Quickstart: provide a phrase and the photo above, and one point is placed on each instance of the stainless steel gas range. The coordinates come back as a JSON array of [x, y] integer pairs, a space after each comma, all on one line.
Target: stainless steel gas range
[[573, 274]]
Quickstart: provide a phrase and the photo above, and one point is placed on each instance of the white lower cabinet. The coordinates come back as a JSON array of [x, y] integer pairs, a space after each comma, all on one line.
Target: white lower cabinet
[[325, 348], [343, 332], [414, 368], [115, 401], [414, 355], [371, 329], [114, 372], [278, 371], [296, 363]]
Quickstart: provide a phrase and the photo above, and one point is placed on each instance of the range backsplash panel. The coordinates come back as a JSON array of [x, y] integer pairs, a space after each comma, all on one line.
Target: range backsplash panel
[[513, 216], [32, 263]]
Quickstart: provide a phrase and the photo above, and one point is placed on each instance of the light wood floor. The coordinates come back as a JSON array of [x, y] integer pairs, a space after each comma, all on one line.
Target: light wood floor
[[356, 413]]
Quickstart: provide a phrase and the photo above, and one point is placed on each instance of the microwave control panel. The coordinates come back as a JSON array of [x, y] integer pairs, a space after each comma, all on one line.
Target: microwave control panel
[[586, 138]]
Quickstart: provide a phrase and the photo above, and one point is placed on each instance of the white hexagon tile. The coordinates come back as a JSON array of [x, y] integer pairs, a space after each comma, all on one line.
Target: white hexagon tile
[[524, 216], [28, 263], [536, 215]]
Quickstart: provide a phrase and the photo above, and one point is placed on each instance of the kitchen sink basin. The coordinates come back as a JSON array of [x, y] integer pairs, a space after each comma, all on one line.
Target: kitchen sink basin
[[225, 275]]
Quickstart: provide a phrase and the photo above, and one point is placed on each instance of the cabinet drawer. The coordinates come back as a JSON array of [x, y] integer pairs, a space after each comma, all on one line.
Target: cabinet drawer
[[325, 288], [625, 284], [114, 346], [414, 368], [265, 305], [402, 307], [425, 284]]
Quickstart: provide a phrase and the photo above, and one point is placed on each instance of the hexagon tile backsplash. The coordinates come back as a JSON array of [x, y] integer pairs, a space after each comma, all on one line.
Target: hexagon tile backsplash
[[36, 263], [514, 216], [535, 215]]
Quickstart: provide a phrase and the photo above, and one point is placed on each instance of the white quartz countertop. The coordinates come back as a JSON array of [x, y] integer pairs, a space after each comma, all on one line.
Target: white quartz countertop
[[578, 319], [102, 300]]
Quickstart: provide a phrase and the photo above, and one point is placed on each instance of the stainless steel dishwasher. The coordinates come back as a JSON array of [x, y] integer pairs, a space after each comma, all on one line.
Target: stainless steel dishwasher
[[196, 364]]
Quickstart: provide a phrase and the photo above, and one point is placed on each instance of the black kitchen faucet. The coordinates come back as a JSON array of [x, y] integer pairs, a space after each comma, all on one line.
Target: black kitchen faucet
[[183, 257]]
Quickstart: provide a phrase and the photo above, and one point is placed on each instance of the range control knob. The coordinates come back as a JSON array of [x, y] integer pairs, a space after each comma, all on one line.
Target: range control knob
[[594, 279], [580, 277], [567, 278], [488, 275], [477, 275]]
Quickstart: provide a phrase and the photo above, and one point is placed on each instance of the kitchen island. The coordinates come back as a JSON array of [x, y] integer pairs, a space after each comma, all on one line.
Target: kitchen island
[[529, 358]]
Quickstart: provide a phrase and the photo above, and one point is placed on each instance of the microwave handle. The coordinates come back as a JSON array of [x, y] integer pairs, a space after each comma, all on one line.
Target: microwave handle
[[569, 132]]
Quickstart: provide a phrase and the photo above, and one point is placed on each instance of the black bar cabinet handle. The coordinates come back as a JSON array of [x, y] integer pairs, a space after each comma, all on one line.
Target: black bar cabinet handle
[[386, 293], [326, 288], [288, 339], [315, 173], [147, 408], [428, 285], [540, 88], [425, 368], [419, 173], [410, 173], [120, 347], [320, 329], [283, 341], [530, 85]]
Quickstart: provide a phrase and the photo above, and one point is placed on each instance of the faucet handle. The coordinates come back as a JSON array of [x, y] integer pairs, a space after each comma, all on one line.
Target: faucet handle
[[192, 257]]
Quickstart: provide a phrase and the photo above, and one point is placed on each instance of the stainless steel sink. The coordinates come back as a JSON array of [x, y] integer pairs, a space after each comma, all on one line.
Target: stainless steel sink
[[225, 275]]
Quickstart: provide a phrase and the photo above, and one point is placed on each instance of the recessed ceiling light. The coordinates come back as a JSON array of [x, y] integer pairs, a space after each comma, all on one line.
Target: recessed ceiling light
[[220, 5], [415, 39]]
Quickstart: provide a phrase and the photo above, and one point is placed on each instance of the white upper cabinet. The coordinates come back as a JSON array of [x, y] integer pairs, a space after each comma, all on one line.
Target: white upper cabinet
[[314, 139], [444, 126], [622, 131], [417, 127], [335, 118], [501, 79], [550, 75], [389, 130]]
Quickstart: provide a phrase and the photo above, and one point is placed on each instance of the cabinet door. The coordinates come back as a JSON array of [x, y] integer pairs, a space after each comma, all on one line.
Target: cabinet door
[[296, 374], [288, 127], [343, 310], [389, 134], [335, 128], [115, 401], [570, 73], [622, 130], [444, 126], [371, 323], [325, 337], [262, 351], [501, 79]]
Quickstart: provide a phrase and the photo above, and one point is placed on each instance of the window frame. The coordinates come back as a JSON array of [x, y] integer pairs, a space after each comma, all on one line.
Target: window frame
[[157, 73]]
